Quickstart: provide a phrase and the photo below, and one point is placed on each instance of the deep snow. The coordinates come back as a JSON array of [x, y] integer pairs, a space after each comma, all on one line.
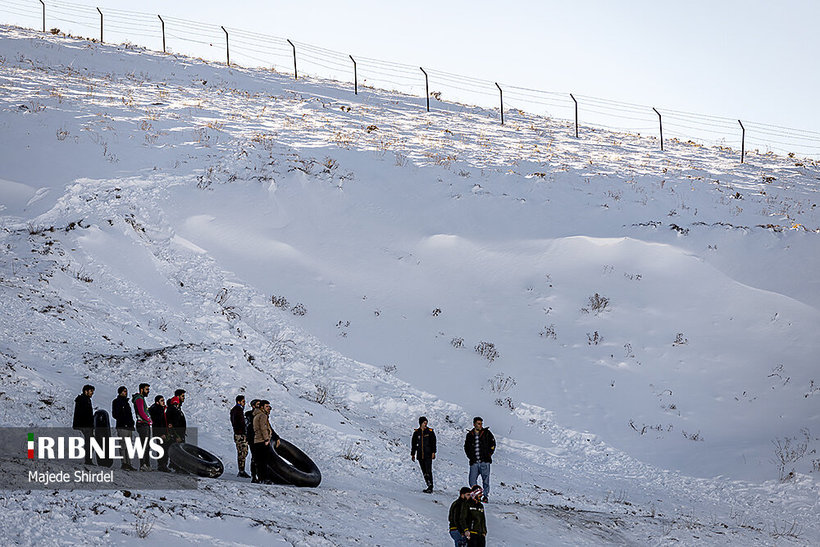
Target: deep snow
[[153, 205]]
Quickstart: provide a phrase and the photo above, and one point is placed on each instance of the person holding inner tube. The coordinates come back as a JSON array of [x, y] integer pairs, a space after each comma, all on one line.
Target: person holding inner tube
[[423, 444], [263, 435], [239, 435]]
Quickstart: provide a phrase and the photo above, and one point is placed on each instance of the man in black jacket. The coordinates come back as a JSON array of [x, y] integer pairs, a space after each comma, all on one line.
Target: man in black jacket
[[84, 418], [160, 425], [121, 412], [479, 446], [240, 435], [250, 436], [459, 518], [423, 444]]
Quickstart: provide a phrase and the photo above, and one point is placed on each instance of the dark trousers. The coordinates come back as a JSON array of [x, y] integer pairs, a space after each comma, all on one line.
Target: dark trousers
[[254, 468], [261, 459], [426, 465], [144, 431], [88, 432], [162, 463], [477, 540], [125, 433]]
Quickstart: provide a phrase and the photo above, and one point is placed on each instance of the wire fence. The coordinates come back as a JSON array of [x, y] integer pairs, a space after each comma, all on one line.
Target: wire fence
[[254, 49]]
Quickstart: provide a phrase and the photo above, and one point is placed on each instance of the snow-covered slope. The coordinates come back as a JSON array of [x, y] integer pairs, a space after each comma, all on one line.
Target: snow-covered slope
[[158, 211]]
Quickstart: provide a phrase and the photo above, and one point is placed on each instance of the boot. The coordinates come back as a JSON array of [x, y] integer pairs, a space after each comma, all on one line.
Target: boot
[[243, 474]]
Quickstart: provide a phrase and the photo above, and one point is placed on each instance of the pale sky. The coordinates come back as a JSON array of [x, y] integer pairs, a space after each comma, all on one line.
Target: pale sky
[[752, 60]]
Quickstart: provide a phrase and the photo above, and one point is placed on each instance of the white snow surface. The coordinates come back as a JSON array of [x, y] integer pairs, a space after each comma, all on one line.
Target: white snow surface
[[136, 187]]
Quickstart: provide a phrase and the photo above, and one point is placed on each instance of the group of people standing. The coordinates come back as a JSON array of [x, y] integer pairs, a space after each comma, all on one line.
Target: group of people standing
[[467, 523], [167, 422], [252, 430]]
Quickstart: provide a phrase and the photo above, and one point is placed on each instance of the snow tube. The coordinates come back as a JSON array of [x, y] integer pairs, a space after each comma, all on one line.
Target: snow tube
[[192, 459], [289, 465], [102, 434]]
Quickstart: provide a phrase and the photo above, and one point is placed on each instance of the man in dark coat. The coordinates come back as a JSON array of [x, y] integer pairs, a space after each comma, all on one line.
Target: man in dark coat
[[479, 446], [240, 435], [477, 529], [423, 444], [249, 435], [177, 424], [459, 518], [84, 418], [160, 425], [121, 412]]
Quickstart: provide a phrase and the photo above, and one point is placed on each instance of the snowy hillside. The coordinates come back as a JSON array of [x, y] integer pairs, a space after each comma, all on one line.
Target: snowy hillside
[[648, 319]]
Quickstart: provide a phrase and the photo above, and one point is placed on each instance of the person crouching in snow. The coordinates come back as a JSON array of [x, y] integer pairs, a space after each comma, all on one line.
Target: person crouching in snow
[[477, 529], [423, 444]]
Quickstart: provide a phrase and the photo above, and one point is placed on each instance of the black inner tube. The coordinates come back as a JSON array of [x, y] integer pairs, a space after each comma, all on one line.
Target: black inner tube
[[191, 458], [289, 465]]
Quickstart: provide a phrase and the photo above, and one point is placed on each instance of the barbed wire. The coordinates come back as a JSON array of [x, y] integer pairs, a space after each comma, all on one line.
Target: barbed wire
[[275, 51]]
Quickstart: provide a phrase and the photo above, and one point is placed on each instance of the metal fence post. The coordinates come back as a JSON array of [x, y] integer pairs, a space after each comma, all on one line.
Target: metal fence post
[[44, 15], [660, 121], [295, 74], [501, 96], [742, 142], [576, 114], [227, 47], [163, 32], [426, 88], [101, 25], [355, 77]]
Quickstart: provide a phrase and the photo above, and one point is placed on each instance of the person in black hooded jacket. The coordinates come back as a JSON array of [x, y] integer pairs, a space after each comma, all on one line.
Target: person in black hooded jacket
[[160, 429], [84, 418], [423, 445], [121, 412]]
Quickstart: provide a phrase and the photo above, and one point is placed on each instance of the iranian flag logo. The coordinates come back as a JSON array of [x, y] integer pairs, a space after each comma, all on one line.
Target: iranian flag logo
[[31, 446]]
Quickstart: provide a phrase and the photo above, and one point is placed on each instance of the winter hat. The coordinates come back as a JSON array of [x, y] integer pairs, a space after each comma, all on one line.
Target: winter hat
[[476, 492], [422, 419], [173, 401]]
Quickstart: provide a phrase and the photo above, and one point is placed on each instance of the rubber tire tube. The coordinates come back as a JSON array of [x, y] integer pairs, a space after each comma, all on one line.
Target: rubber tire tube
[[292, 466], [197, 461], [102, 433]]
